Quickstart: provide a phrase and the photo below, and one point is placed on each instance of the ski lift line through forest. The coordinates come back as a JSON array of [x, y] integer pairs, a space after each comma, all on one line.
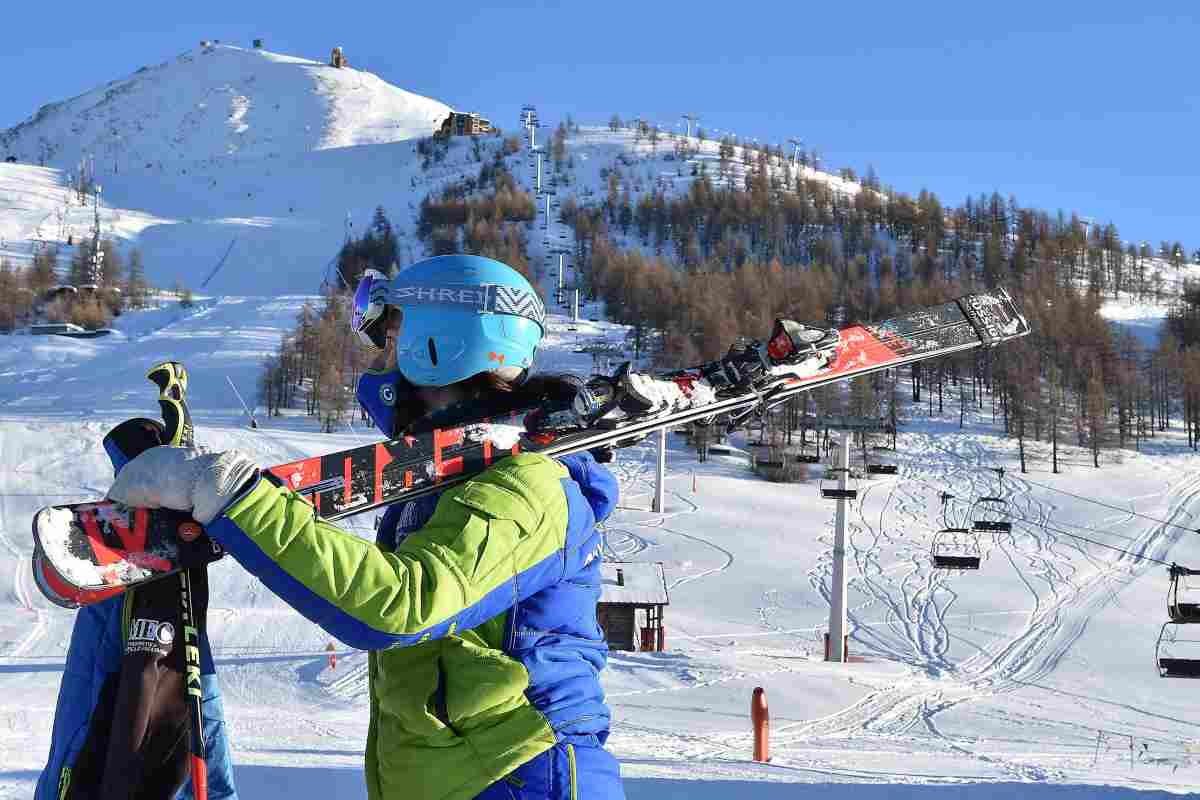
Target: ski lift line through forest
[[1053, 529], [1079, 496]]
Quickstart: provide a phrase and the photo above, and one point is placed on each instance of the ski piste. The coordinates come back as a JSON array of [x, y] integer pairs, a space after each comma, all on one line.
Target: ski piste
[[126, 547]]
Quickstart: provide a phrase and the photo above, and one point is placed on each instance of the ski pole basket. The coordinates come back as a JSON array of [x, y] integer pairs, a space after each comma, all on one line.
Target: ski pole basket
[[1183, 596], [1177, 653], [830, 484]]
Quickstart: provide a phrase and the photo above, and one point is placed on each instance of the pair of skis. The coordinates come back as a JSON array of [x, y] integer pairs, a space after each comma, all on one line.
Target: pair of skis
[[89, 551]]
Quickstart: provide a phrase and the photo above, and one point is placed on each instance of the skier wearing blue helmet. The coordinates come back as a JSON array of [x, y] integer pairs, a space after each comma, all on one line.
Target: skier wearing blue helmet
[[456, 319], [479, 604]]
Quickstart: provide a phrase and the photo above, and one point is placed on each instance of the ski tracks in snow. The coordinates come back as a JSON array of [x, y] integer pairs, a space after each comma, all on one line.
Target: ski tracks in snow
[[889, 536], [1062, 602]]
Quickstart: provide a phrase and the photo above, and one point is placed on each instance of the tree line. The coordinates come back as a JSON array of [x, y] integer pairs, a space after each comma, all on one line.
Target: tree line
[[38, 293], [317, 365], [716, 263]]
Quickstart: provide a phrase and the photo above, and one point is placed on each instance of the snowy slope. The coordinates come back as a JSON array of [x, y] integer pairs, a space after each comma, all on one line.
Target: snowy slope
[[212, 103], [240, 158], [1004, 680]]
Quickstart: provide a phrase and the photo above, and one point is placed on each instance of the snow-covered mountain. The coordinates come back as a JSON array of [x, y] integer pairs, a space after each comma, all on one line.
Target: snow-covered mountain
[[242, 158], [217, 102]]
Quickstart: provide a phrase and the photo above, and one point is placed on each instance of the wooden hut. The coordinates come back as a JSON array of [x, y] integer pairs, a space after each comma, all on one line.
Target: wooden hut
[[632, 597], [463, 123]]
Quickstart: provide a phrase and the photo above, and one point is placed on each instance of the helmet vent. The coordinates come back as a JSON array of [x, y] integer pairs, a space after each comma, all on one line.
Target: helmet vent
[[432, 351]]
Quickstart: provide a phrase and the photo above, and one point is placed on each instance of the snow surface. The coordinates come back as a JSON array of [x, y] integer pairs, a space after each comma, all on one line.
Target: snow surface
[[999, 683], [1030, 678]]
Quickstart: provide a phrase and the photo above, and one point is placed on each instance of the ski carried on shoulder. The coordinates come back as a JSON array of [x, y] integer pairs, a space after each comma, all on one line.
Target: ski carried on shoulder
[[91, 551]]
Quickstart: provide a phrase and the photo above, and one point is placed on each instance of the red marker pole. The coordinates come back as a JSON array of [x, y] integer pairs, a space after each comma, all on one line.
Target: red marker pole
[[760, 720]]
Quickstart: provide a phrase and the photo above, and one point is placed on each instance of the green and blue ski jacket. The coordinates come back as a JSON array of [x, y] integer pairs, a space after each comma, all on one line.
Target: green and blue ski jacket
[[481, 620]]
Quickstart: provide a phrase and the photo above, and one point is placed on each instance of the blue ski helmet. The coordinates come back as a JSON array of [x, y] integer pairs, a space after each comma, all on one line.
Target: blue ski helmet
[[463, 315]]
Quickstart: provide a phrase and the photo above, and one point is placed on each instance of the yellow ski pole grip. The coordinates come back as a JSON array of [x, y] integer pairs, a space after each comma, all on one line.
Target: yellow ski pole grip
[[171, 379]]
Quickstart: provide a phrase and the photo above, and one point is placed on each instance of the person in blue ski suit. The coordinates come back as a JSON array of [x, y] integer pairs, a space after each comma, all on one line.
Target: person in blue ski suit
[[88, 726], [478, 605]]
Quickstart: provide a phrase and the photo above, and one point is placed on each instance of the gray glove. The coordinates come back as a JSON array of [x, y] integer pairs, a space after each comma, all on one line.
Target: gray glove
[[183, 479]]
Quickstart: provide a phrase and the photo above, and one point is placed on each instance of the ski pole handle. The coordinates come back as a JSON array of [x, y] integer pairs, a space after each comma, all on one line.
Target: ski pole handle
[[171, 379]]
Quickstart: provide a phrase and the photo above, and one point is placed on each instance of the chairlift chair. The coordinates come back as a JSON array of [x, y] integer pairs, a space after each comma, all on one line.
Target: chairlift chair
[[1183, 596], [805, 457], [830, 489], [954, 547], [1177, 656], [881, 469], [990, 515]]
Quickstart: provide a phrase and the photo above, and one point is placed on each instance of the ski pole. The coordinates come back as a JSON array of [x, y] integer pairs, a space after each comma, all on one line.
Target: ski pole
[[171, 379], [249, 414]]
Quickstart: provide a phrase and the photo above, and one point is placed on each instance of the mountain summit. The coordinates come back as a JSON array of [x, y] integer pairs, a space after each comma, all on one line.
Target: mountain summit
[[218, 101]]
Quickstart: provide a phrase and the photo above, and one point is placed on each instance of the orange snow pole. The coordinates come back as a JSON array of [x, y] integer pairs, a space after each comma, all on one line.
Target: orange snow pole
[[760, 720], [693, 481], [332, 655]]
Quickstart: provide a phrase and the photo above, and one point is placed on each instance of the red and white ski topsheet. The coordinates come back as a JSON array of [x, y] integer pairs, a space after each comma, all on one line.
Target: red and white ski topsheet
[[86, 552]]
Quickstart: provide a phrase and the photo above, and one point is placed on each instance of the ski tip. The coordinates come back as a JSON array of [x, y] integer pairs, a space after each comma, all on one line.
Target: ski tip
[[43, 578]]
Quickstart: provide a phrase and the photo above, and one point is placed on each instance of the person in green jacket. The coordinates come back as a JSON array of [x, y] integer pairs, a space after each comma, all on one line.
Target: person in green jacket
[[479, 604]]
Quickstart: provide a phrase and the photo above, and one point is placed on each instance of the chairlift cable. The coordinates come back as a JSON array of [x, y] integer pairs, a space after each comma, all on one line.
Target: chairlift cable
[[1079, 496], [1053, 529]]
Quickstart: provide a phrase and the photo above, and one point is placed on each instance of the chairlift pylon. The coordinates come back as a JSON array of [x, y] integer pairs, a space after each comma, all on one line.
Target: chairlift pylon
[[954, 547]]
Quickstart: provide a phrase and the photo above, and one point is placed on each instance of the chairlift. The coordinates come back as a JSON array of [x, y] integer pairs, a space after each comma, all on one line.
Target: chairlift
[[1183, 596], [990, 514], [830, 488], [1177, 653], [881, 469], [954, 547]]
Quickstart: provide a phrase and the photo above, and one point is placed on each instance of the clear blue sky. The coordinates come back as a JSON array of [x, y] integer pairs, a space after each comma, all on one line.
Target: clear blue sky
[[1086, 107]]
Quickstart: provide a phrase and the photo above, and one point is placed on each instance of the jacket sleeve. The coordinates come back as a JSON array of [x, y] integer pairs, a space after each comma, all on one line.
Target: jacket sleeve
[[492, 541]]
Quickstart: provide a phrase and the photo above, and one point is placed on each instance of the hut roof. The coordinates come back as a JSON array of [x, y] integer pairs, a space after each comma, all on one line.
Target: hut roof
[[644, 583]]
